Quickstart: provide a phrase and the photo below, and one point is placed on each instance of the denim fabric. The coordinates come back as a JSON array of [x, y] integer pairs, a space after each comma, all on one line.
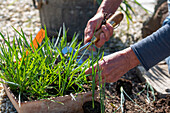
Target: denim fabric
[[167, 20], [155, 47]]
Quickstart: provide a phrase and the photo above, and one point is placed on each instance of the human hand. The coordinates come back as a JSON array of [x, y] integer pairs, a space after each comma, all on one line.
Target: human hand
[[94, 24], [115, 65]]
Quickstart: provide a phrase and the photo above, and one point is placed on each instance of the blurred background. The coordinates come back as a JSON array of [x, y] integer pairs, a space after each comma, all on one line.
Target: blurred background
[[31, 16]]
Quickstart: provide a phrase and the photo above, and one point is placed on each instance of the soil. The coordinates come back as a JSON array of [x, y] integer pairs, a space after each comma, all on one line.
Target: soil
[[132, 86], [126, 84], [87, 107], [113, 99]]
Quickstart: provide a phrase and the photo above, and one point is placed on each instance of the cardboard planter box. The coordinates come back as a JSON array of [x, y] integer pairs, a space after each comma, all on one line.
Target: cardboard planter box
[[71, 105], [61, 104]]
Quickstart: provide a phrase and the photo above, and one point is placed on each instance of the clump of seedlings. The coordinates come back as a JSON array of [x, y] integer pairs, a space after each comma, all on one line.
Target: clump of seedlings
[[34, 74]]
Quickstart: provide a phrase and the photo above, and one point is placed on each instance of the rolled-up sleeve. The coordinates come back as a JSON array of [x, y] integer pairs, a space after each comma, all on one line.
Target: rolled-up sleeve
[[153, 48]]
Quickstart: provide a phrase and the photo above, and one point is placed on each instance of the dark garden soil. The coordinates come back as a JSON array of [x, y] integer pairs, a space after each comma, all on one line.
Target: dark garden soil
[[87, 107], [132, 86]]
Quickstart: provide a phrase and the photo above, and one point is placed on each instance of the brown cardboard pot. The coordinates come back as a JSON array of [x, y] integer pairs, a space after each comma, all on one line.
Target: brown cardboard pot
[[48, 106]]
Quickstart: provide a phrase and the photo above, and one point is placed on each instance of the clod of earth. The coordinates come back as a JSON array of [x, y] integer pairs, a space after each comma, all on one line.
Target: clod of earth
[[126, 84], [87, 107]]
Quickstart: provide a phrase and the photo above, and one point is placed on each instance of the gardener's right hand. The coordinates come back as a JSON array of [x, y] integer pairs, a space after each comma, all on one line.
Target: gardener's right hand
[[115, 65], [95, 23]]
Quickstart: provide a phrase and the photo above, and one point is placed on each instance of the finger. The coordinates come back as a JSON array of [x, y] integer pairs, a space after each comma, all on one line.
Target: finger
[[102, 81], [106, 32], [89, 30], [93, 24], [88, 70], [110, 28], [90, 77], [88, 34], [101, 42]]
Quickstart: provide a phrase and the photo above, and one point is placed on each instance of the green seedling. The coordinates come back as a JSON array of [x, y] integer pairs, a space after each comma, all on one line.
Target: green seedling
[[123, 101], [33, 74]]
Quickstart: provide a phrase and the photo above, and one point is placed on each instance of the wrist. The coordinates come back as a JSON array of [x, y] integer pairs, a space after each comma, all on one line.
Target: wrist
[[109, 6], [131, 58]]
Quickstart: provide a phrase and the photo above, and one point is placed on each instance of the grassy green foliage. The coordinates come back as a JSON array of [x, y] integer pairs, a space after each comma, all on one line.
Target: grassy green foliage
[[128, 9], [101, 84], [43, 72]]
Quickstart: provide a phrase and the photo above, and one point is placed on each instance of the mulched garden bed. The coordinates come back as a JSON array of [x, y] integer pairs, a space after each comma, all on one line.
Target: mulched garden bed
[[133, 85]]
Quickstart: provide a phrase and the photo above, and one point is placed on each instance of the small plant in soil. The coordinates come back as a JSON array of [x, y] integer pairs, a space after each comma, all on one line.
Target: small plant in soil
[[43, 72]]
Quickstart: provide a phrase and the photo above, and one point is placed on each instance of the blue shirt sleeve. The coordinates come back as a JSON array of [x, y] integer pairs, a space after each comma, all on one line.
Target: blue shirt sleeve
[[153, 48]]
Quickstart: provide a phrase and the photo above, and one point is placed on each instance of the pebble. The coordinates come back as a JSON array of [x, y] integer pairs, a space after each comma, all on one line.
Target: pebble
[[16, 13]]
